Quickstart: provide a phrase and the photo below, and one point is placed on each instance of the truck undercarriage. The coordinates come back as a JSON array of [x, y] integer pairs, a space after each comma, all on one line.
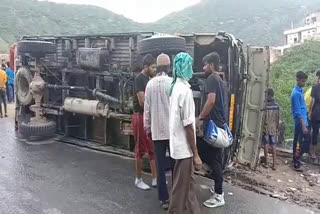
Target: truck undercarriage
[[82, 86]]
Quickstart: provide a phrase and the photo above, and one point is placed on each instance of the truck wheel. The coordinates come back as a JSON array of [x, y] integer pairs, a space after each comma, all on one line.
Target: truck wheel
[[163, 44], [36, 48], [41, 129], [23, 80]]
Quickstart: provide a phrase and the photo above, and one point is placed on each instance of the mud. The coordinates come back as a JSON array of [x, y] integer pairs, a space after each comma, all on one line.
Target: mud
[[301, 188]]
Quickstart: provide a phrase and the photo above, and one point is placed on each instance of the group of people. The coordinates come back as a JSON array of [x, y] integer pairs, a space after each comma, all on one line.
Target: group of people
[[306, 121], [164, 120], [6, 87]]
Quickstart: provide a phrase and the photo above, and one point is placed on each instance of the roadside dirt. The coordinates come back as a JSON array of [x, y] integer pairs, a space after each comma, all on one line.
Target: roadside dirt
[[286, 184]]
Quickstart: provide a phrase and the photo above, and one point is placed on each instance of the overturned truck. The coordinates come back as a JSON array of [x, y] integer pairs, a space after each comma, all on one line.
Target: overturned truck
[[82, 86]]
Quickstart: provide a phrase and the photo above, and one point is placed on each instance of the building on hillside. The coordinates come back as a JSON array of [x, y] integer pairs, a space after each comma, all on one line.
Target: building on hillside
[[310, 30], [276, 52], [297, 36], [313, 18]]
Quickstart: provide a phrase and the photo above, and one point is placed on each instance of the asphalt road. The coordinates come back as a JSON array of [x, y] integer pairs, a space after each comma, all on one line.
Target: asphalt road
[[55, 178]]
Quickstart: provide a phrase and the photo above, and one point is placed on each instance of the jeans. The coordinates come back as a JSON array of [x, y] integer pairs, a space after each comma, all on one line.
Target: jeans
[[160, 149], [315, 124], [3, 100], [213, 157], [10, 93], [304, 141]]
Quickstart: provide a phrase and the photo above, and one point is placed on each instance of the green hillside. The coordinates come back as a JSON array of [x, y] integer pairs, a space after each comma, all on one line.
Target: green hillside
[[30, 17], [301, 58], [256, 22]]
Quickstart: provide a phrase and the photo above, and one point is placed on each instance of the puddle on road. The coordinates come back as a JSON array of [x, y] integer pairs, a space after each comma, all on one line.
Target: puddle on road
[[44, 142]]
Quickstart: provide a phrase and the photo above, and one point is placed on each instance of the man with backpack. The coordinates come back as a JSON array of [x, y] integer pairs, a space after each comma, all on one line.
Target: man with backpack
[[213, 110]]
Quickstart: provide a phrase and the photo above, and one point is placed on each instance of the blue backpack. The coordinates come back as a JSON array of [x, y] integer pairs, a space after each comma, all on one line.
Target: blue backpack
[[215, 136]]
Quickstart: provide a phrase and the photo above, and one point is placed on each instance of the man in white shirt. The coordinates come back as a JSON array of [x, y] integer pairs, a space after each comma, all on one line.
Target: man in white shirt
[[156, 121], [183, 139]]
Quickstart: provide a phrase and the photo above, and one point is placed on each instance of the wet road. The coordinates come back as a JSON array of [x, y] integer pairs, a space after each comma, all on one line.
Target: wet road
[[55, 178]]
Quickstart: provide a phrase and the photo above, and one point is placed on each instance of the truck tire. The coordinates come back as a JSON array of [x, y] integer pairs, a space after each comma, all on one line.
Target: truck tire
[[158, 45], [41, 129], [36, 48], [22, 82]]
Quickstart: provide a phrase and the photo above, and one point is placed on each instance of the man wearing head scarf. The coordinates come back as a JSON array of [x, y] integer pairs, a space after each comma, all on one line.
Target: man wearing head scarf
[[183, 139], [156, 121]]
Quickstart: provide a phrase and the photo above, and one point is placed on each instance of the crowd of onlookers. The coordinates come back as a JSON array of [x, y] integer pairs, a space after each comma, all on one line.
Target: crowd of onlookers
[[164, 120], [306, 119], [6, 87]]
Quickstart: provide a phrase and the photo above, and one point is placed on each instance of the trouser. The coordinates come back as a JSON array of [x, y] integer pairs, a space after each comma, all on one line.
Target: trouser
[[183, 197], [304, 142], [10, 93], [315, 124], [160, 149], [213, 158], [3, 100], [143, 143], [7, 91]]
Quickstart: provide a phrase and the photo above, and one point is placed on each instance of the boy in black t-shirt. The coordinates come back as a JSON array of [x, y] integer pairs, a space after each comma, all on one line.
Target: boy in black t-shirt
[[213, 110], [314, 113], [143, 142]]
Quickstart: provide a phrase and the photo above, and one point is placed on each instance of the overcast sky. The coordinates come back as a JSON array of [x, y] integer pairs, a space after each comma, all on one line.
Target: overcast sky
[[138, 10]]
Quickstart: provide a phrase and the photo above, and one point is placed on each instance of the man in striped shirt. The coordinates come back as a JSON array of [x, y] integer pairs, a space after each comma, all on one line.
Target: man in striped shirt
[[271, 127], [156, 121]]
